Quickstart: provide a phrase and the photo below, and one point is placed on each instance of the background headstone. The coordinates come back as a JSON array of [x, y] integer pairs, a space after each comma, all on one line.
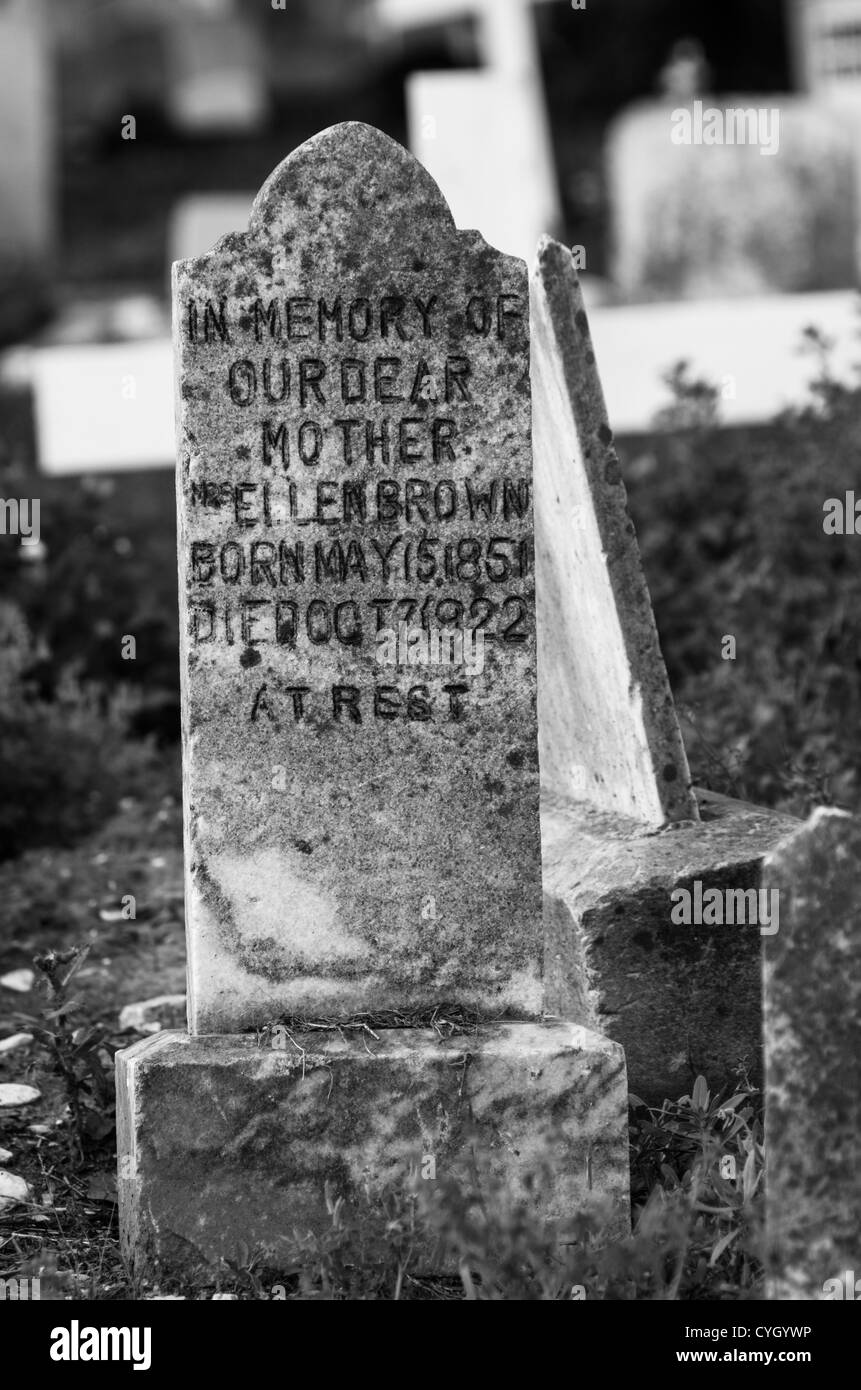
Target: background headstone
[[696, 221], [103, 407], [825, 41], [361, 836], [484, 135], [216, 82], [27, 192], [484, 138], [201, 219], [813, 1063]]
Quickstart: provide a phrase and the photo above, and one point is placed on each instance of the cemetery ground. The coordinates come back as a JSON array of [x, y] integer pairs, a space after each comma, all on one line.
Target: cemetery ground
[[730, 526]]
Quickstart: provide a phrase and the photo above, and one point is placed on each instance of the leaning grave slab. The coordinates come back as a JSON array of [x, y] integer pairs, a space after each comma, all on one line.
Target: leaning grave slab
[[621, 826], [362, 840]]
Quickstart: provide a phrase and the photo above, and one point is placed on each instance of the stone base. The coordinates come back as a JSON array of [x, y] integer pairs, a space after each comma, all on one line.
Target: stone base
[[225, 1145], [681, 1000]]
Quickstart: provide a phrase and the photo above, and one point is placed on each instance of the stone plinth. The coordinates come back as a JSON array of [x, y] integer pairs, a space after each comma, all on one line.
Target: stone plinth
[[226, 1144], [681, 999]]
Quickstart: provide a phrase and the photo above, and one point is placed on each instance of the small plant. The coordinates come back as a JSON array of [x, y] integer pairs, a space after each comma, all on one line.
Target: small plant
[[64, 751], [703, 1157], [367, 1251], [79, 1052]]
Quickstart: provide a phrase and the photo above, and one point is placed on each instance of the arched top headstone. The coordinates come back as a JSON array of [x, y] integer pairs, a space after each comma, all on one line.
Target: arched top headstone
[[358, 604], [350, 199]]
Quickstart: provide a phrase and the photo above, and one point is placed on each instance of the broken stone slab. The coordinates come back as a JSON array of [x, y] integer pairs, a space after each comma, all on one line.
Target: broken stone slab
[[226, 1144], [608, 731], [681, 999], [812, 987]]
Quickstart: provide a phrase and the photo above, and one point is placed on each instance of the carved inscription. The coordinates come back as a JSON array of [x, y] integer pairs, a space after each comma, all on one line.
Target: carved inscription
[[358, 505]]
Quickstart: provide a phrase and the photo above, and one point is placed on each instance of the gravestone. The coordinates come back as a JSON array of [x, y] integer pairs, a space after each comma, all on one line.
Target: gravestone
[[357, 594], [215, 73], [484, 135], [826, 50], [713, 220], [621, 827], [27, 226], [614, 740], [199, 220], [812, 986], [484, 138], [102, 407], [356, 455], [825, 45]]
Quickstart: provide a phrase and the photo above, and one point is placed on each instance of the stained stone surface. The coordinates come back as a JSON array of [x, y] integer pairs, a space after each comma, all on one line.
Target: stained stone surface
[[355, 454], [225, 1144], [608, 728], [812, 1035], [680, 999]]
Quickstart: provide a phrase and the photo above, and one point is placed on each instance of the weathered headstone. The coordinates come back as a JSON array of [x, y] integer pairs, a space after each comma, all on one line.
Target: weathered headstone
[[27, 225], [361, 792], [812, 1031], [356, 456], [621, 827]]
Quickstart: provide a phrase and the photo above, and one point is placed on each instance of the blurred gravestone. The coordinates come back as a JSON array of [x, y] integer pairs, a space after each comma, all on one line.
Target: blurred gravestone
[[201, 219], [27, 220], [813, 1063], [826, 50], [215, 71], [484, 138], [484, 135], [706, 220], [361, 783], [825, 42]]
